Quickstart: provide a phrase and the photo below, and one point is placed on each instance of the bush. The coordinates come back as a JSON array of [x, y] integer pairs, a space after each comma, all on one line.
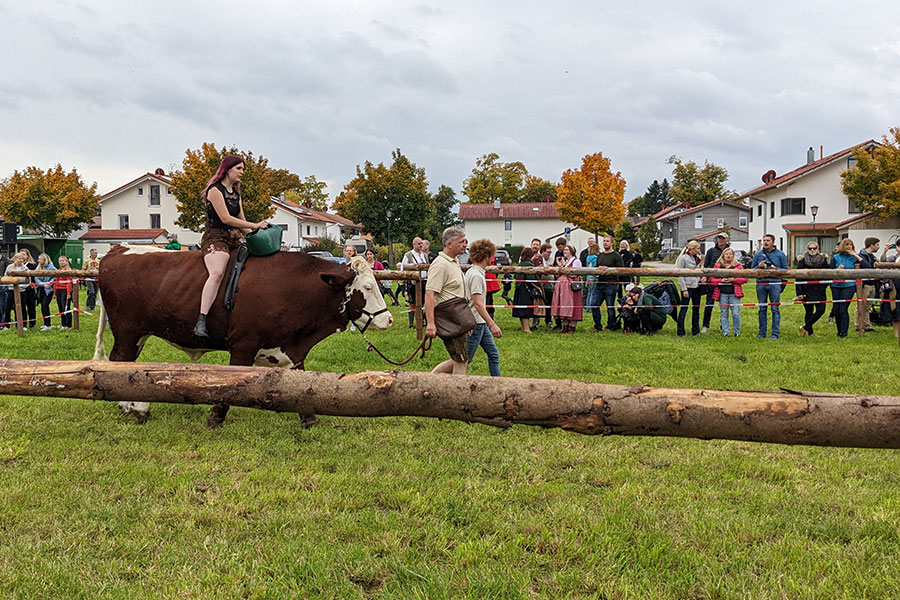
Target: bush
[[326, 244], [381, 253]]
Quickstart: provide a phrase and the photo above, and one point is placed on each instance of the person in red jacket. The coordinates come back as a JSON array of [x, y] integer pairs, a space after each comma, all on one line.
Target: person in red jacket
[[62, 287], [491, 286]]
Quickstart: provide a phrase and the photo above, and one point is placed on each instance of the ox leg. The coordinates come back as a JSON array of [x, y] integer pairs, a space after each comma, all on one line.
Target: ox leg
[[308, 421], [240, 357], [123, 351]]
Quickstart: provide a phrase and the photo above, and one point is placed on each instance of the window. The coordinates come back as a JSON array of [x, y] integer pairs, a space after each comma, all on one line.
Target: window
[[759, 210], [742, 219], [720, 223], [851, 162], [123, 221], [771, 210], [698, 221], [168, 191], [155, 222], [154, 195], [307, 230], [507, 225], [852, 208], [140, 191], [793, 206], [751, 216]]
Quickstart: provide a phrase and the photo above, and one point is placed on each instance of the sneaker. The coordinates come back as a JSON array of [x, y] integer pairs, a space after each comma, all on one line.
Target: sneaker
[[803, 332], [46, 328], [704, 330], [761, 336], [773, 337], [830, 319]]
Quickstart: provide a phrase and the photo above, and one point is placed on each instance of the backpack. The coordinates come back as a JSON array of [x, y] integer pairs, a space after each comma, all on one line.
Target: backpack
[[668, 295]]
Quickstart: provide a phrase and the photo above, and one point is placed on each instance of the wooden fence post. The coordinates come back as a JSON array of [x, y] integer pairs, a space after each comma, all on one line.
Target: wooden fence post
[[20, 321], [75, 304]]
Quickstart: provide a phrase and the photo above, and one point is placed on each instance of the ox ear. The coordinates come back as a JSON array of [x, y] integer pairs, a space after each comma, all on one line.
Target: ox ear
[[340, 279]]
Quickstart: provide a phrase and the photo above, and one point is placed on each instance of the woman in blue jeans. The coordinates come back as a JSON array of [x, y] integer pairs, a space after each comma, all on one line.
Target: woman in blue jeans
[[845, 258], [480, 253], [728, 292]]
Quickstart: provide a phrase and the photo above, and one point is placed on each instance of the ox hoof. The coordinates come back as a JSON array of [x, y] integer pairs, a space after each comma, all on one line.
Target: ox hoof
[[216, 417], [308, 421], [139, 410]]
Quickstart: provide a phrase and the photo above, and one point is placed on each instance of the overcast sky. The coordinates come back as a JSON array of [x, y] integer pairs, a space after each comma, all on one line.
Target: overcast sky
[[117, 89]]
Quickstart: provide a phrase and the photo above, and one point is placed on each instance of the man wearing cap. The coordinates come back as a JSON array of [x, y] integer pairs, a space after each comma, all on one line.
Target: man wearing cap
[[173, 243], [709, 262]]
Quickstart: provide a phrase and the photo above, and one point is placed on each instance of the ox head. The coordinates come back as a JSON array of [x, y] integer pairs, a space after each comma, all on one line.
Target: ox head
[[364, 304]]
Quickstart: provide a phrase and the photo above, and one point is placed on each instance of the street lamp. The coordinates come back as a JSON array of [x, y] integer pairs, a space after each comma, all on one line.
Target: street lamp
[[815, 210], [389, 213]]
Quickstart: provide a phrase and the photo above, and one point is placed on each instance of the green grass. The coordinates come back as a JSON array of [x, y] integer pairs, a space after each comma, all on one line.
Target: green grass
[[94, 506]]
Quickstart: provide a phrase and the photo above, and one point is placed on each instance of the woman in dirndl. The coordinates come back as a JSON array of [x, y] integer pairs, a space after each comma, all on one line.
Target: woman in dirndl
[[567, 303]]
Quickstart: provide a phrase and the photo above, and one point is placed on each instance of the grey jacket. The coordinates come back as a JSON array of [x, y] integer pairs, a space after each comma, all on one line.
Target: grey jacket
[[686, 261]]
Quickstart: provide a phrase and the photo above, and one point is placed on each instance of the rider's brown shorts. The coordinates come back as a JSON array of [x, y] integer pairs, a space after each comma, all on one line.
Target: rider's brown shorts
[[216, 238]]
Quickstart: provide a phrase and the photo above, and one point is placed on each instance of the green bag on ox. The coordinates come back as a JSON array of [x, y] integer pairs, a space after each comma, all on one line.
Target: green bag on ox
[[263, 242]]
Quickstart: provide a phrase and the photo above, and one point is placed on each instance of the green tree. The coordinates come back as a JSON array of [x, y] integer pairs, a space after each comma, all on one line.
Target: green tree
[[874, 183], [538, 190], [443, 216], [654, 199], [310, 192], [650, 238], [52, 203], [625, 232], [698, 185], [197, 168], [591, 197], [494, 180], [402, 187]]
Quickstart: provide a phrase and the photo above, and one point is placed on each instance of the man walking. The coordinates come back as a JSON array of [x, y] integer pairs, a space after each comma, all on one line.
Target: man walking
[[709, 261], [605, 288], [769, 290], [416, 256], [445, 282]]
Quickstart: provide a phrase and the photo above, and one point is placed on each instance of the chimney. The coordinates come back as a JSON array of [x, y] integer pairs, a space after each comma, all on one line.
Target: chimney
[[810, 156]]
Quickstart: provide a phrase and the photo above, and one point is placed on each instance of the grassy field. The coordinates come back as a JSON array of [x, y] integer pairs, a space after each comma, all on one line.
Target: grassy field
[[94, 506]]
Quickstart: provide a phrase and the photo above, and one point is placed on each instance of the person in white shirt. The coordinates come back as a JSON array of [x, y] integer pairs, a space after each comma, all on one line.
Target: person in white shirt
[[480, 254], [416, 256]]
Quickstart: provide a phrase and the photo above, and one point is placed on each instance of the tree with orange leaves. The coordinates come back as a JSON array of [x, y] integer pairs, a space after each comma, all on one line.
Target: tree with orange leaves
[[591, 197]]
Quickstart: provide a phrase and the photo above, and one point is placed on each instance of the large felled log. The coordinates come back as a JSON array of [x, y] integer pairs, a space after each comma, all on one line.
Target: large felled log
[[589, 408]]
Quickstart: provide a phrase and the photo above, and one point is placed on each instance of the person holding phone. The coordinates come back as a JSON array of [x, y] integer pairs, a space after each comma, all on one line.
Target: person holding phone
[[768, 291]]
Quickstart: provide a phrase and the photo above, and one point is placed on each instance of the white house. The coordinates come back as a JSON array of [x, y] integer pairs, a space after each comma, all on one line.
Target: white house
[[516, 224], [808, 204], [143, 211]]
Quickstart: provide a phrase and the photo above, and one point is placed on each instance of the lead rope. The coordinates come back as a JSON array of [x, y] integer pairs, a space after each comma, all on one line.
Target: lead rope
[[424, 346]]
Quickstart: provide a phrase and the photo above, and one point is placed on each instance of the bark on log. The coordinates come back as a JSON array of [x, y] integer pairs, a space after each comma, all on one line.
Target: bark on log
[[588, 408]]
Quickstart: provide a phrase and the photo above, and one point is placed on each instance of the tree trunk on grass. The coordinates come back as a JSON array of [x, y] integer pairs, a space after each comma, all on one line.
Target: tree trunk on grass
[[589, 408]]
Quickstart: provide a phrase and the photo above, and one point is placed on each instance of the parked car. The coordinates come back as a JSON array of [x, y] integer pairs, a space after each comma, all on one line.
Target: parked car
[[744, 257], [501, 258], [665, 253]]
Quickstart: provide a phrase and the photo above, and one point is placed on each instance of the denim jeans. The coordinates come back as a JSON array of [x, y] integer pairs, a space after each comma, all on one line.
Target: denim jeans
[[730, 302], [842, 309], [603, 292], [481, 336], [769, 292]]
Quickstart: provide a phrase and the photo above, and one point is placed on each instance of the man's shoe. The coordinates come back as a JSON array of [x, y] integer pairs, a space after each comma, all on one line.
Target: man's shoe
[[704, 330], [803, 332], [200, 327]]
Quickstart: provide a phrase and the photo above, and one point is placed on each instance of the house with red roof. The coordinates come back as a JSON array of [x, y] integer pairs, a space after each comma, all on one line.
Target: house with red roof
[[808, 204], [516, 224], [143, 211]]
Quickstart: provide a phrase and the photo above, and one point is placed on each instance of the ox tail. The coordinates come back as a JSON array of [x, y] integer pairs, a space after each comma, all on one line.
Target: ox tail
[[99, 346]]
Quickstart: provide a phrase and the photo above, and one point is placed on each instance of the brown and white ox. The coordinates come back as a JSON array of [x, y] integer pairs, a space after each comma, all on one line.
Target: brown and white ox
[[286, 303]]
